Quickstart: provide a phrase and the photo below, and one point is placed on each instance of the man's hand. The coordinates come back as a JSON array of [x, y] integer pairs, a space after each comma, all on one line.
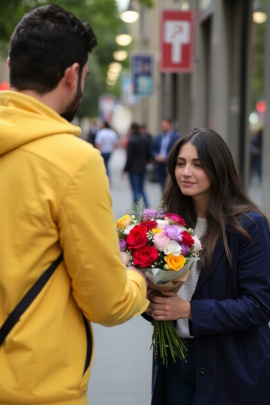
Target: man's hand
[[160, 158]]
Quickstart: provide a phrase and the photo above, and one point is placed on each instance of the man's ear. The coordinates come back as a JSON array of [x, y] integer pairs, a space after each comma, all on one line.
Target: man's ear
[[71, 75], [8, 62]]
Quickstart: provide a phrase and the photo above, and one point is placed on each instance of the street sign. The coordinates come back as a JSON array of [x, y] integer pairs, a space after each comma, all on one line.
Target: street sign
[[106, 105], [142, 74], [176, 41], [128, 97]]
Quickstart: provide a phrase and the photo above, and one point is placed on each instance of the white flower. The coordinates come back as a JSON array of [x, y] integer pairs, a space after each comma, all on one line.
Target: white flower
[[161, 223], [124, 258], [128, 229], [172, 247], [197, 244]]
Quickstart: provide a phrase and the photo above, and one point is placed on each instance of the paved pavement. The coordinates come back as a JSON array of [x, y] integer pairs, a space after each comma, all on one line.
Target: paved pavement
[[121, 372]]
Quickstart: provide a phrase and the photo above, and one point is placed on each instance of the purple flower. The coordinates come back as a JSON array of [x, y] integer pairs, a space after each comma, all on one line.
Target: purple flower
[[184, 249], [122, 244], [149, 213], [160, 214], [173, 232]]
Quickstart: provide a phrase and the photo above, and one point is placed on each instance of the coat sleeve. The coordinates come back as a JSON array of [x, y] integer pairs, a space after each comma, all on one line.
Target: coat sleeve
[[155, 146], [102, 287], [251, 308]]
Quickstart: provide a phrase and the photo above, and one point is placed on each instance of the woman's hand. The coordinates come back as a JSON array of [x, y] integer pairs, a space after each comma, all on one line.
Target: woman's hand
[[169, 307]]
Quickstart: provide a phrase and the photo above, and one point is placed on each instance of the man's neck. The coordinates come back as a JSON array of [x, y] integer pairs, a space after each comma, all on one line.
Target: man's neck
[[50, 99]]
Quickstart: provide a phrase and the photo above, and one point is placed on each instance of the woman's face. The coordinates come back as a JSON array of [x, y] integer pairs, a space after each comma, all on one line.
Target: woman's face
[[191, 177]]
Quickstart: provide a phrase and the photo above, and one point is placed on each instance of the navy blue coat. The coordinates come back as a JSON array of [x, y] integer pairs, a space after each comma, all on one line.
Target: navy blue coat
[[230, 314], [156, 144]]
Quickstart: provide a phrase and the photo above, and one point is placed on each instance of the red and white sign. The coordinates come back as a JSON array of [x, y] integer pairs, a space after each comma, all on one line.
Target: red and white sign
[[176, 41]]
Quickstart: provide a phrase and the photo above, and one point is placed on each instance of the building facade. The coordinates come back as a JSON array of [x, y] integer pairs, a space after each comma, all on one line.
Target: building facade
[[216, 93]]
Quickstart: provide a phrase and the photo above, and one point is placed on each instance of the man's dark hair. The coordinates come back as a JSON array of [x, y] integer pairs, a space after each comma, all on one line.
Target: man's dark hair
[[135, 127], [44, 44], [167, 119]]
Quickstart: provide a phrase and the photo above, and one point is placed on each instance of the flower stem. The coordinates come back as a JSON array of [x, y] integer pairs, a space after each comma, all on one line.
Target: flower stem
[[165, 335]]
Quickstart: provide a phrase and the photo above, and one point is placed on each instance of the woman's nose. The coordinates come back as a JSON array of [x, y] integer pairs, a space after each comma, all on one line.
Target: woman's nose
[[187, 170]]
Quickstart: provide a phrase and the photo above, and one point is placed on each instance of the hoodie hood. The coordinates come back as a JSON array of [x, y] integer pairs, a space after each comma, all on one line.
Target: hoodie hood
[[24, 119]]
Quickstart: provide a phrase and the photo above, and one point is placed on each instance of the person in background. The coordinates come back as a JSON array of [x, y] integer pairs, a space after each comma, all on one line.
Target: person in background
[[54, 198], [138, 154], [223, 309], [256, 154], [144, 131], [106, 141], [91, 138], [160, 148]]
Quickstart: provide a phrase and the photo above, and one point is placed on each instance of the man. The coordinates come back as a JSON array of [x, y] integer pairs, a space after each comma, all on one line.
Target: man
[[161, 147], [138, 154], [93, 132], [47, 207], [144, 131]]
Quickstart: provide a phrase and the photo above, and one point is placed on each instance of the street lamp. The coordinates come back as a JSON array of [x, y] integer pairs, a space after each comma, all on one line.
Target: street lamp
[[259, 14], [123, 38], [185, 6], [120, 55], [130, 15]]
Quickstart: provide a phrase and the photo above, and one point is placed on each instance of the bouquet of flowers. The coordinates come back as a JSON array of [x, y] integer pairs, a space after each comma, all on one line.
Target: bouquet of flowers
[[161, 246]]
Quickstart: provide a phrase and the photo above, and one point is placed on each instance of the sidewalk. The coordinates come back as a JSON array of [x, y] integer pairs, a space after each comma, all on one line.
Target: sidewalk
[[121, 372]]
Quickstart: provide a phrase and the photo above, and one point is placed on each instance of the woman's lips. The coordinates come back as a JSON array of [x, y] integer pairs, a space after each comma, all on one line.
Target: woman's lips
[[187, 183]]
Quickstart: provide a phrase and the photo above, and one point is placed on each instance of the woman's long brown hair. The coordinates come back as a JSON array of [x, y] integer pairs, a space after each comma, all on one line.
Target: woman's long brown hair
[[228, 201]]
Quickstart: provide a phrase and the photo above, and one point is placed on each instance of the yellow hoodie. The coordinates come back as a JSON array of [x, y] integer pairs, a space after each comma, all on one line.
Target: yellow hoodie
[[54, 195]]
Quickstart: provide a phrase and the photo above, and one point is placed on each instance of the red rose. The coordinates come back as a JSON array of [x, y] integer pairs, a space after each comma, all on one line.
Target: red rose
[[151, 224], [145, 256], [187, 239], [137, 237]]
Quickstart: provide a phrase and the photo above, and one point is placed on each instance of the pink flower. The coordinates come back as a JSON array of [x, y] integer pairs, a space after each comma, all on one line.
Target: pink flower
[[173, 232], [197, 244], [159, 241], [177, 220]]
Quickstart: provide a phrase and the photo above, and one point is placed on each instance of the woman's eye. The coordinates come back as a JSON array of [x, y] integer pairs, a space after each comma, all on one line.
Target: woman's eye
[[179, 164]]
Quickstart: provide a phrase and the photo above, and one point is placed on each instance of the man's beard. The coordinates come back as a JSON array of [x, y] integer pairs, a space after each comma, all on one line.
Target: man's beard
[[72, 108]]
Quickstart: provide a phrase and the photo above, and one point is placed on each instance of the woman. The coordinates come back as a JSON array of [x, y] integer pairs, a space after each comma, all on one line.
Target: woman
[[223, 309]]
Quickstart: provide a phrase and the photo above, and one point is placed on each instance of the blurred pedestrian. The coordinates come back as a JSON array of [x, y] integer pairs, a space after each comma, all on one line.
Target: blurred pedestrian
[[91, 138], [223, 309], [256, 154], [144, 131], [106, 141], [161, 146], [57, 226], [138, 154]]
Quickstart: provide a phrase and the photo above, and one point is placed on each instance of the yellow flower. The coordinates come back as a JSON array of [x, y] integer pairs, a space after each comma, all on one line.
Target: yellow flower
[[123, 222], [156, 230], [175, 262]]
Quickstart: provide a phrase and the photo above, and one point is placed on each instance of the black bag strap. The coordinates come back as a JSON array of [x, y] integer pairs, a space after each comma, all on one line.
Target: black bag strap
[[28, 299]]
